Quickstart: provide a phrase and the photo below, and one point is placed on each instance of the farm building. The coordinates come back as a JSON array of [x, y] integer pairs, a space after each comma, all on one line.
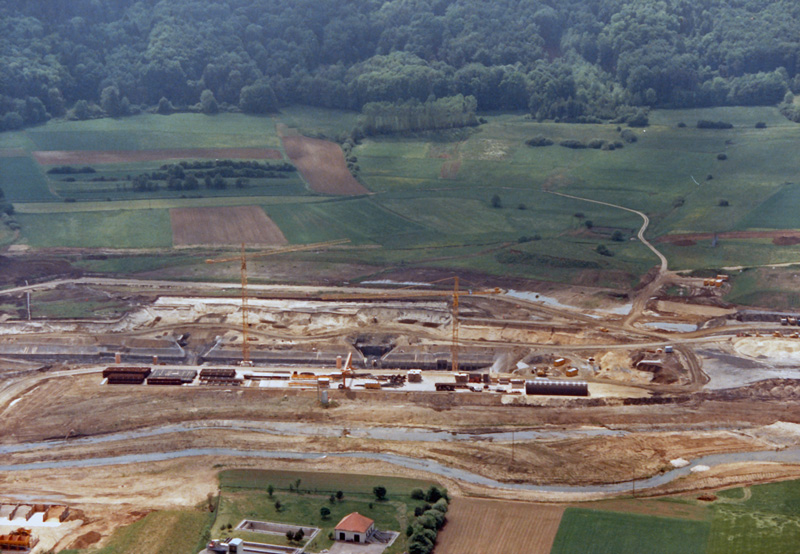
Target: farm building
[[355, 528], [560, 388]]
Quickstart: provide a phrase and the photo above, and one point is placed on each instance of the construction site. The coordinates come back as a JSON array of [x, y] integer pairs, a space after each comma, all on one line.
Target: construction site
[[493, 391]]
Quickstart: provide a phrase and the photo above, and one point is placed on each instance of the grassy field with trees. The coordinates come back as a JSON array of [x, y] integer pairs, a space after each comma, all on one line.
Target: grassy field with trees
[[474, 199]]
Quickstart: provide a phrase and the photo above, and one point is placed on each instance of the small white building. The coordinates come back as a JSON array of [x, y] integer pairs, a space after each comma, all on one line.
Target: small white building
[[354, 528]]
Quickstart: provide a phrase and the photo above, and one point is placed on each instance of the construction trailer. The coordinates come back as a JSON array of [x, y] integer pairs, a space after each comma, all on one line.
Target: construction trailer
[[220, 376], [164, 376], [126, 375]]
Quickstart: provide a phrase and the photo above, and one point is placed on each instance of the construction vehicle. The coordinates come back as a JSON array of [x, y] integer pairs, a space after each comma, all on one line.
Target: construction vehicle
[[410, 293], [242, 259]]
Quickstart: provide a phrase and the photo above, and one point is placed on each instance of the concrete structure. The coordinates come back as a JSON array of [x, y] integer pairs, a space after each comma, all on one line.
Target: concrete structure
[[354, 528]]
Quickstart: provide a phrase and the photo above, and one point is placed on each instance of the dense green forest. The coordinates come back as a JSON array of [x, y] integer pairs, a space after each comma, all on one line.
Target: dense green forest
[[569, 59]]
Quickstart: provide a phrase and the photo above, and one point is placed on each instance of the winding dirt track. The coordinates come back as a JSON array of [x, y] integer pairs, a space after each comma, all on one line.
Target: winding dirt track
[[644, 295]]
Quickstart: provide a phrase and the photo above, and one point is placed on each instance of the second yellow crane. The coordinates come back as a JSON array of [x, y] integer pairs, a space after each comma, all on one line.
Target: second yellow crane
[[242, 258]]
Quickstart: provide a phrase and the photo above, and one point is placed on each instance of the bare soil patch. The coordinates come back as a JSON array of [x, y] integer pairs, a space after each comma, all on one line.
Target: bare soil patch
[[450, 169], [223, 226], [784, 240], [322, 165], [685, 239], [478, 525], [59, 157]]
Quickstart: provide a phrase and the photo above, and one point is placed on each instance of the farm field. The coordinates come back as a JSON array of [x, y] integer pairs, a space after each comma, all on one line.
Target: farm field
[[478, 525], [432, 194], [247, 225], [322, 164], [600, 532], [751, 520]]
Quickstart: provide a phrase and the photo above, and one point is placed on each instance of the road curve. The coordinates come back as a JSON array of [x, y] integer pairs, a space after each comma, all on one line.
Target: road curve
[[639, 235]]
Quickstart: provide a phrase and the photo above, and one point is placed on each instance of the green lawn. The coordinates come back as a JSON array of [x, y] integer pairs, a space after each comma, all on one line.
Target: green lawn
[[244, 496]]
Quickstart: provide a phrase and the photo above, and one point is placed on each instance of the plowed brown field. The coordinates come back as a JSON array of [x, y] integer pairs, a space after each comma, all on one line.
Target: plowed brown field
[[478, 526], [322, 165], [56, 157], [223, 226]]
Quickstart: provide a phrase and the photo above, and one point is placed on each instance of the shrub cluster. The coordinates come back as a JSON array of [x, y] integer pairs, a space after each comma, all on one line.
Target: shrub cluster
[[69, 170], [538, 141], [706, 124], [428, 520]]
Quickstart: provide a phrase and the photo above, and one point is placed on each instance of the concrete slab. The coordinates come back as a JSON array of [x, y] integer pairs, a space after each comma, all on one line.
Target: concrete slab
[[355, 548]]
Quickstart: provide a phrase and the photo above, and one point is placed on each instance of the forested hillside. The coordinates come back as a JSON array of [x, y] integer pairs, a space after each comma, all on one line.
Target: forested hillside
[[568, 59]]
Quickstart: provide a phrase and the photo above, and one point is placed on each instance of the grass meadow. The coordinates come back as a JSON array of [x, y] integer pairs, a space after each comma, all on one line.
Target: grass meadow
[[431, 202]]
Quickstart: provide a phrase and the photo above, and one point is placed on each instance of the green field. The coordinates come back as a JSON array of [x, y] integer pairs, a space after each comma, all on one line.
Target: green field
[[598, 532], [759, 519], [112, 229], [432, 192]]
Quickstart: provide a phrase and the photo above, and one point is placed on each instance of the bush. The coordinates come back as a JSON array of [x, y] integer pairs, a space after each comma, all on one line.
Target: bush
[[706, 124], [603, 251], [434, 494], [572, 143], [617, 236], [628, 136], [379, 492], [440, 505], [597, 144], [723, 203], [761, 125], [681, 125], [496, 202], [538, 141], [722, 157], [639, 119]]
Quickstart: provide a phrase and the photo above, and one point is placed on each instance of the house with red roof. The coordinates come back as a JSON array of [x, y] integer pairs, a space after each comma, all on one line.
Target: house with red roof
[[354, 528]]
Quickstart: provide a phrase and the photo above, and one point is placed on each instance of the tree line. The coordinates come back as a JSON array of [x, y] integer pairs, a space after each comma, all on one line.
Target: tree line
[[572, 59]]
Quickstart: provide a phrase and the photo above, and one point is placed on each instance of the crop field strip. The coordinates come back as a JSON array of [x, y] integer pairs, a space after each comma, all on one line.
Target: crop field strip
[[479, 525], [223, 226], [322, 164]]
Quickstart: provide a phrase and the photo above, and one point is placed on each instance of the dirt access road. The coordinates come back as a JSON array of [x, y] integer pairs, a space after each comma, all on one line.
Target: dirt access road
[[644, 295]]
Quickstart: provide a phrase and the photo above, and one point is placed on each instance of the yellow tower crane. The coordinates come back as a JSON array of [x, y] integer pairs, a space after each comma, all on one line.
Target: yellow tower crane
[[456, 293], [242, 258]]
